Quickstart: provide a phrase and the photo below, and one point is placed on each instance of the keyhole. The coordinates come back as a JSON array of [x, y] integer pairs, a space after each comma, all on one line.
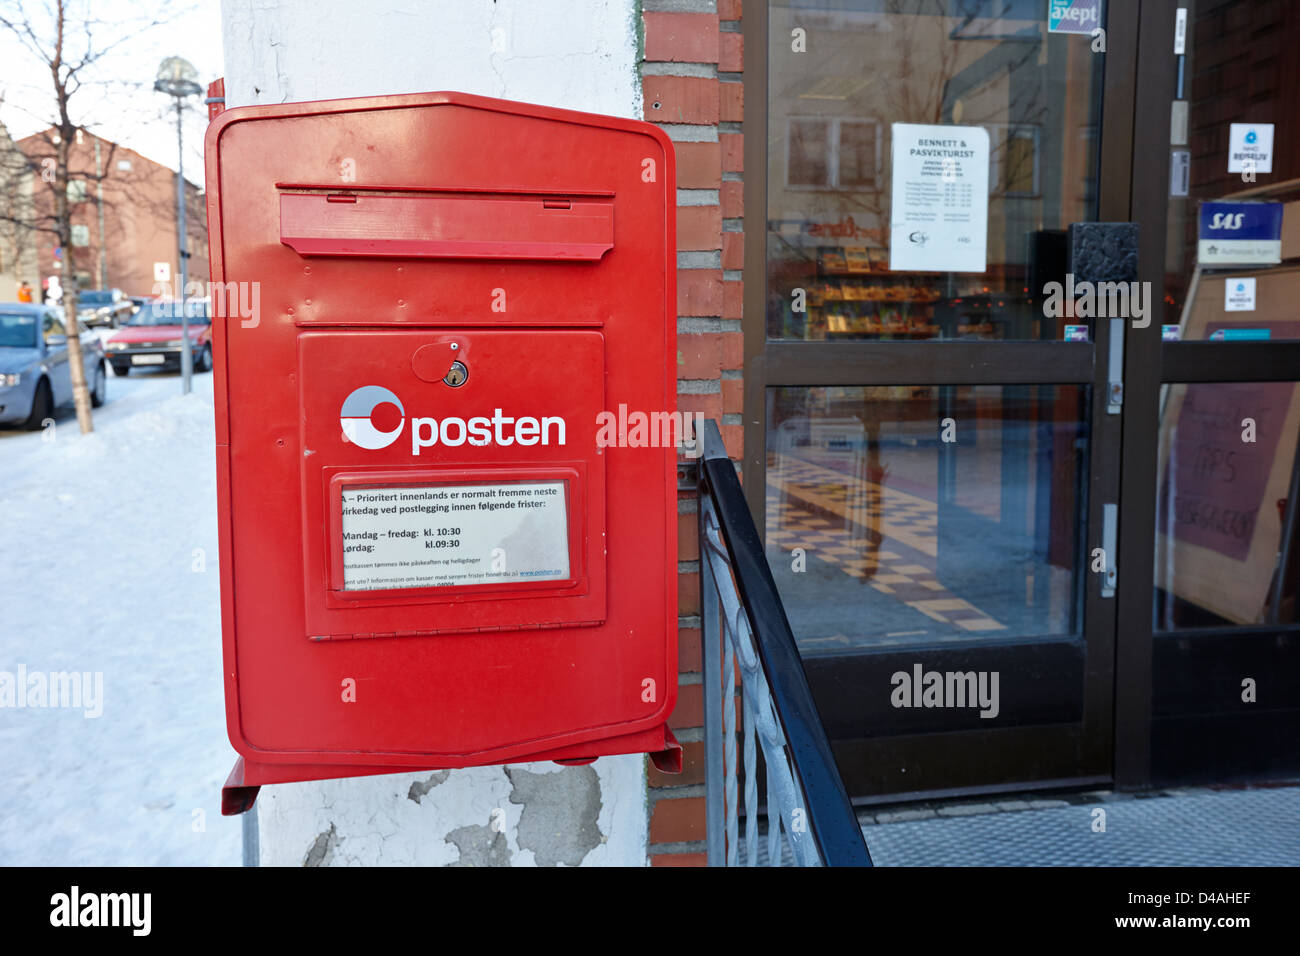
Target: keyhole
[[456, 375]]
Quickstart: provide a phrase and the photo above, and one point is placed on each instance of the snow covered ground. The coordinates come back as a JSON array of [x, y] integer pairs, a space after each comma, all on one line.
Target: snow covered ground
[[108, 564]]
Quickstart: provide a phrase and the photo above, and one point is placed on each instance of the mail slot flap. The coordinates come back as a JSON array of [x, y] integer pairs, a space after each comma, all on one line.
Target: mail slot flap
[[432, 226]]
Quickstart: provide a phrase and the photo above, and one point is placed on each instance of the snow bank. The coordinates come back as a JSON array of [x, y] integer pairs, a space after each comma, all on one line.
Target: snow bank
[[108, 564]]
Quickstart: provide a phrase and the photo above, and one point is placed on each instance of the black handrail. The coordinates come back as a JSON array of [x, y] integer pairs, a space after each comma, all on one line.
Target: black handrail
[[833, 824]]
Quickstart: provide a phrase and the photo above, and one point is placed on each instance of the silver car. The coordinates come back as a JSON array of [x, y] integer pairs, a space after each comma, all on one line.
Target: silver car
[[35, 377], [104, 307]]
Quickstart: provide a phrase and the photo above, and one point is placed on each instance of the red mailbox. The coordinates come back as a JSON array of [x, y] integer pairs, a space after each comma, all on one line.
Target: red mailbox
[[436, 549]]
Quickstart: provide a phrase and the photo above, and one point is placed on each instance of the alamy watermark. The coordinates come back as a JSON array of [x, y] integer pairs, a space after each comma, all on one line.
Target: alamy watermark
[[229, 300], [22, 689], [1101, 300], [130, 910], [922, 688], [624, 429]]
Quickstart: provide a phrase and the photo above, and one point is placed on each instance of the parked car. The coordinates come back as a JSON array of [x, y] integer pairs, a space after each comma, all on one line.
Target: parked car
[[35, 377], [152, 337], [104, 307]]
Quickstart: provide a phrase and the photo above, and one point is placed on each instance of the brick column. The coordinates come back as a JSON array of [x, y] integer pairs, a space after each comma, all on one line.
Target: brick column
[[691, 79]]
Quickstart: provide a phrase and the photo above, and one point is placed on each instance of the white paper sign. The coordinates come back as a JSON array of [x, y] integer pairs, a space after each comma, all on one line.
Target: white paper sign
[[162, 272], [940, 212], [1250, 148], [454, 535], [1180, 172], [1239, 295]]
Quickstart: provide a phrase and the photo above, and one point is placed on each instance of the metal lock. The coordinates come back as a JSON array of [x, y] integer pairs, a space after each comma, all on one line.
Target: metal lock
[[456, 375]]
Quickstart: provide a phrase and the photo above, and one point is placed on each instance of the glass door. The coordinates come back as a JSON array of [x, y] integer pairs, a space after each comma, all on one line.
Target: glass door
[[932, 439], [1209, 571]]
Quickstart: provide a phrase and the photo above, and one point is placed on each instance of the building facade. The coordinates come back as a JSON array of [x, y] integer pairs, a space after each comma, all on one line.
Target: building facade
[[123, 217], [17, 244], [960, 462]]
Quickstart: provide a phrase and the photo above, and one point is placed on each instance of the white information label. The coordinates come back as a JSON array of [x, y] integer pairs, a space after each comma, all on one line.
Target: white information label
[[1250, 148], [454, 535], [1180, 172], [1239, 295], [940, 213]]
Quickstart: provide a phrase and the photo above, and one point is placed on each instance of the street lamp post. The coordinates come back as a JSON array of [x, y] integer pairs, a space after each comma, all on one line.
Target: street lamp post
[[177, 78]]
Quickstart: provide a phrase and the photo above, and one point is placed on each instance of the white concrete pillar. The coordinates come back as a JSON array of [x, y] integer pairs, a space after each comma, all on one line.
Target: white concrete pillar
[[577, 54]]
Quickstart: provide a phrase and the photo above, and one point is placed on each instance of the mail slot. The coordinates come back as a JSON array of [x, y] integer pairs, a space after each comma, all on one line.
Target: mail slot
[[433, 554]]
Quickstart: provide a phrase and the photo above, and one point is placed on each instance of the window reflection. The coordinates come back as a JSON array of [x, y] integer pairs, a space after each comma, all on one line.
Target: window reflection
[[1234, 71], [874, 63], [921, 514]]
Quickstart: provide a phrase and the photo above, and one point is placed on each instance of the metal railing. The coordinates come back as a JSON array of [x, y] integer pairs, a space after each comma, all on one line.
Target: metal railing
[[745, 628]]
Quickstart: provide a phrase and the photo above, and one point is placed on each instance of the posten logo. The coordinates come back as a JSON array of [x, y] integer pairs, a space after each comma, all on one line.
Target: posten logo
[[355, 417], [372, 417]]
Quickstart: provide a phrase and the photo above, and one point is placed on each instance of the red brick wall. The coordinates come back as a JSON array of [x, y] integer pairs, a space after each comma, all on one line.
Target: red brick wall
[[691, 80], [139, 216]]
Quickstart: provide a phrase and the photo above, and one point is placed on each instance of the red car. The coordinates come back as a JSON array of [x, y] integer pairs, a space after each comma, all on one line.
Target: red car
[[152, 337]]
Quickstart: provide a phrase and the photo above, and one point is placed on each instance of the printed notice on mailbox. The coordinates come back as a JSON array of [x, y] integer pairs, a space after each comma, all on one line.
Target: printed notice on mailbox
[[454, 535], [939, 220]]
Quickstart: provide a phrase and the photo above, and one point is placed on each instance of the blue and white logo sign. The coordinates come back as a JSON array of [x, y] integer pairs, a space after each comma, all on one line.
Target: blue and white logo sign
[[1250, 148], [355, 417], [1240, 233], [1239, 295], [1073, 16]]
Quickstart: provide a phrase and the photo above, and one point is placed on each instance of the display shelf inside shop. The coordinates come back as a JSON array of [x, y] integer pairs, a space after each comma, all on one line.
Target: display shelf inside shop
[[855, 296]]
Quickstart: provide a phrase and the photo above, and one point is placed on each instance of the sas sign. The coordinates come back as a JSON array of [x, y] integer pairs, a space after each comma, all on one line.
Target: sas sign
[[1226, 220], [1238, 233]]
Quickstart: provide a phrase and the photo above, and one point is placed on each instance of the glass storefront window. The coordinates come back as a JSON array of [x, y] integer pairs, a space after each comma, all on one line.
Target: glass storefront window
[[1226, 505], [909, 515], [1227, 83], [990, 64]]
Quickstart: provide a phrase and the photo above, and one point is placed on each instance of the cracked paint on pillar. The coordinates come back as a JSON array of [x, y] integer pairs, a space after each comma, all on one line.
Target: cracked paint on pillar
[[558, 822], [588, 816], [421, 789], [322, 849], [480, 846]]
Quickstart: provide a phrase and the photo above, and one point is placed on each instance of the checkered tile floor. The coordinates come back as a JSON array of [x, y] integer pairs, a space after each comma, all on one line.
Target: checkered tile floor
[[880, 535]]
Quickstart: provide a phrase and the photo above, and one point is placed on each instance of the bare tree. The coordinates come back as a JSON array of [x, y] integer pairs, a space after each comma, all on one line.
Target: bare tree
[[63, 39]]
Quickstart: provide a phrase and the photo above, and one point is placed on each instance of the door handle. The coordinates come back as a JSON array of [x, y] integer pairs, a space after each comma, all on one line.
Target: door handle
[[1115, 371], [1109, 547]]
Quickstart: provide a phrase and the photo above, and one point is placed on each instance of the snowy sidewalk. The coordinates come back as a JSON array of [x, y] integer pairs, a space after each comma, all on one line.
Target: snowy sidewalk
[[109, 564]]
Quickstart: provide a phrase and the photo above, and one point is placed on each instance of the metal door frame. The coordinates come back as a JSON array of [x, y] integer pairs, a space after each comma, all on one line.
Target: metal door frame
[[769, 364], [1151, 363]]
